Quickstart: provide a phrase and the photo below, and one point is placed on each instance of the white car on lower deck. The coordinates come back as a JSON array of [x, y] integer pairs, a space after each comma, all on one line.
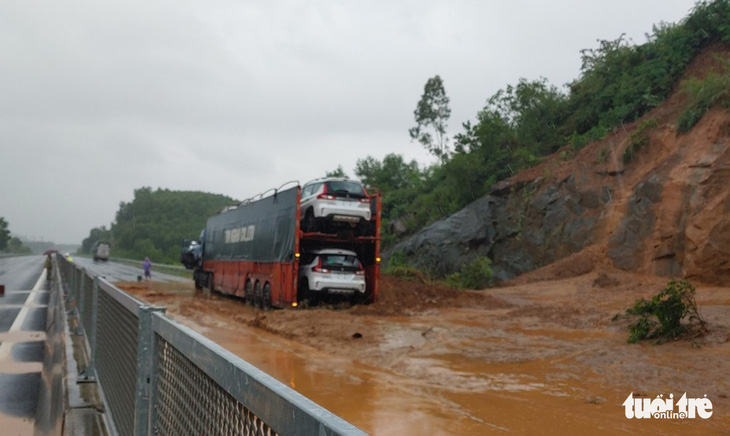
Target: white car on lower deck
[[330, 271]]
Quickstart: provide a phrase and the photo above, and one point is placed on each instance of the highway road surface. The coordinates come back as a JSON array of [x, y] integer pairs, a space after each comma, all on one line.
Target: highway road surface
[[23, 315], [23, 309], [117, 272]]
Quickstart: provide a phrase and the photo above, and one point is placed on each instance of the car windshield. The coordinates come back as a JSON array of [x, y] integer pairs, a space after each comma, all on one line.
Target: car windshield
[[345, 188], [341, 262]]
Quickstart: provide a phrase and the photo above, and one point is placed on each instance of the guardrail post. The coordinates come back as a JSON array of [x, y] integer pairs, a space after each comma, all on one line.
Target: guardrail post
[[145, 363], [81, 306], [74, 313], [69, 281], [77, 286], [89, 374]]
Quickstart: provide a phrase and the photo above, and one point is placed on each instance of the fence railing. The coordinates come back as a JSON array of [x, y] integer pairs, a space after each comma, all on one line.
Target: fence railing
[[157, 376]]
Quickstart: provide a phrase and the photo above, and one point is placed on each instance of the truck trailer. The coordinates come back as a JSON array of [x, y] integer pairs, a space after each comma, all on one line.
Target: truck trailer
[[254, 250], [100, 251]]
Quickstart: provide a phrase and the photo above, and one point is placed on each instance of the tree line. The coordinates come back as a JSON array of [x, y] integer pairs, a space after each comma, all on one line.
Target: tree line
[[154, 223], [9, 243], [523, 123]]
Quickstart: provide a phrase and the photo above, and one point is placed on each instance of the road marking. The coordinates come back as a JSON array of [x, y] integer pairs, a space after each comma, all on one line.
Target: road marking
[[7, 346]]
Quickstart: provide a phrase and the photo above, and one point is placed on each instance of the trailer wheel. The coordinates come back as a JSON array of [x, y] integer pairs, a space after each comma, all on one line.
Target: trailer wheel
[[310, 222], [257, 295], [209, 280], [305, 294], [266, 297], [248, 292], [196, 279]]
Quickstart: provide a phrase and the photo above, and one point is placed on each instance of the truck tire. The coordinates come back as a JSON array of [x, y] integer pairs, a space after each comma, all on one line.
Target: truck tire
[[248, 292], [257, 295], [266, 297], [305, 294], [310, 222], [196, 279], [209, 282]]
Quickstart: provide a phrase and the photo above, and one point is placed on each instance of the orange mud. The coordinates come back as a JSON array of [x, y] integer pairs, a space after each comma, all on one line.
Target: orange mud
[[534, 357]]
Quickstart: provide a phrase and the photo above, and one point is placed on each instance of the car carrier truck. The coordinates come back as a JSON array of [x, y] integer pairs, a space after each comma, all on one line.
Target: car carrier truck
[[254, 250]]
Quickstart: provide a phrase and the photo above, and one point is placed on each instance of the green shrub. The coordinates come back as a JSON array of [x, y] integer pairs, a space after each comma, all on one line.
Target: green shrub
[[660, 318], [398, 267], [477, 274], [408, 273], [639, 139], [703, 94], [398, 258]]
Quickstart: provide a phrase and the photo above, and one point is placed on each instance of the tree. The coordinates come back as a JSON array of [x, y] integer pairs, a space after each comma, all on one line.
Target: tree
[[391, 174], [433, 112], [396, 179], [339, 172], [97, 234], [15, 245], [4, 233], [155, 222]]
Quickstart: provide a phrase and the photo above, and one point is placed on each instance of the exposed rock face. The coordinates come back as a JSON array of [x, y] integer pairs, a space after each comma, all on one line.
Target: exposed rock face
[[667, 212], [517, 226]]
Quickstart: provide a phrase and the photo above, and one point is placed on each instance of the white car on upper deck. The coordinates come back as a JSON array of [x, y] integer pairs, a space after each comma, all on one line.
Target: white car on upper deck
[[334, 201]]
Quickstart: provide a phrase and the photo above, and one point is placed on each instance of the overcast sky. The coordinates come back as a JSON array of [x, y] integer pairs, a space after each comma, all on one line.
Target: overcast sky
[[99, 98]]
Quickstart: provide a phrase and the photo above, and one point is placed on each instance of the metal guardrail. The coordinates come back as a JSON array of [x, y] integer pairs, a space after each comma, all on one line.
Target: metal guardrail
[[157, 376]]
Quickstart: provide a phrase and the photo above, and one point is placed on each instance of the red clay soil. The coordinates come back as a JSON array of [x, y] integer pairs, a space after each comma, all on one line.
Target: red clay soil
[[543, 347]]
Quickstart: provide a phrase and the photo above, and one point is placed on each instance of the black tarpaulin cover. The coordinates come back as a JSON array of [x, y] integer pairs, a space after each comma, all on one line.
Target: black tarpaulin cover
[[262, 231]]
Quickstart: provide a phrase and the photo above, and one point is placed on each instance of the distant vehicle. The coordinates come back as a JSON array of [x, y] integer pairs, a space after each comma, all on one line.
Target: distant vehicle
[[100, 251], [191, 252], [334, 201], [331, 271], [257, 250]]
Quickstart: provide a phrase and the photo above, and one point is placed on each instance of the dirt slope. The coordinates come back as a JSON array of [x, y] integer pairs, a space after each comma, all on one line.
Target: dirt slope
[[664, 212]]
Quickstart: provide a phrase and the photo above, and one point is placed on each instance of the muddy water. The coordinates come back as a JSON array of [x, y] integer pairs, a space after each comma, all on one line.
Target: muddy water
[[464, 371], [474, 397], [370, 399]]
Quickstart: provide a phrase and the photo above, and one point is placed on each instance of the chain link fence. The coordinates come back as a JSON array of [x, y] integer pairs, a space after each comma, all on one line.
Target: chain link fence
[[156, 376]]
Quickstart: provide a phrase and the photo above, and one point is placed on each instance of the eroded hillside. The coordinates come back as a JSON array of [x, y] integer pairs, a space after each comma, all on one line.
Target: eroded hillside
[[647, 198]]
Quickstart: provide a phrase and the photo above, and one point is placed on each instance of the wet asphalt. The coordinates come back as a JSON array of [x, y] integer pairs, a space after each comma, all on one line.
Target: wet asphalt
[[23, 316], [117, 272], [22, 310]]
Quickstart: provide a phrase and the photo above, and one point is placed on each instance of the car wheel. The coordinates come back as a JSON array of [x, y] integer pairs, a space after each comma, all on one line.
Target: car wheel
[[257, 295], [266, 297], [248, 292], [305, 294], [310, 222]]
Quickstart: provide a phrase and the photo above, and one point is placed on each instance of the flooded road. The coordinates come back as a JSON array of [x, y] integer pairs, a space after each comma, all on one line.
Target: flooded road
[[365, 396], [542, 359]]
